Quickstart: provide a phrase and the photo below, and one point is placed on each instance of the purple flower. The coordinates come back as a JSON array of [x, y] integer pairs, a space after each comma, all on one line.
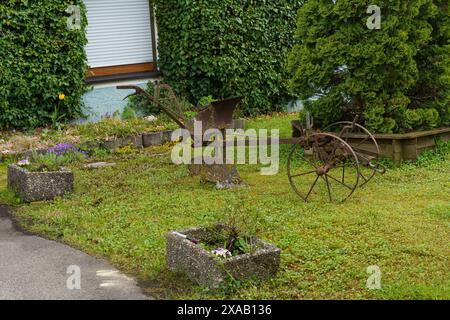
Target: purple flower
[[64, 148]]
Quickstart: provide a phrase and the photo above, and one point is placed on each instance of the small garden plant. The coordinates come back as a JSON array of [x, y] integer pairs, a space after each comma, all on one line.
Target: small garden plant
[[234, 237], [228, 241], [54, 159]]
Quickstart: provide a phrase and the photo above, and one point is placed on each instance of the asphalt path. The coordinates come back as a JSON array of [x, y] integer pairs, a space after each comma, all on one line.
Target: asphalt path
[[33, 268]]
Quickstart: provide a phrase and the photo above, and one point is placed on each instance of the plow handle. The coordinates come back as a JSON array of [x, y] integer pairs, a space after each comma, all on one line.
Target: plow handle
[[179, 119]]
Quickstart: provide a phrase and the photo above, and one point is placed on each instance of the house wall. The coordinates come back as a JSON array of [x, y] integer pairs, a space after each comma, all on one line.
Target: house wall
[[104, 99], [122, 45]]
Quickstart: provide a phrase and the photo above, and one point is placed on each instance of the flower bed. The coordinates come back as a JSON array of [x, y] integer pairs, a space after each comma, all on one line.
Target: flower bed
[[43, 176], [106, 132]]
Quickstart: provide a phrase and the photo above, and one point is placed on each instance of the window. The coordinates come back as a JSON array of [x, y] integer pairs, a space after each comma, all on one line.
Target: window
[[120, 37]]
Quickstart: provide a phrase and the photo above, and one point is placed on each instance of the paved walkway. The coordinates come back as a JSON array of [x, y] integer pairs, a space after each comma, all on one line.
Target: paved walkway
[[34, 268]]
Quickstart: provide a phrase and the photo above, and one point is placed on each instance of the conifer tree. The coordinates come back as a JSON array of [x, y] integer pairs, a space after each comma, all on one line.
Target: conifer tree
[[395, 77]]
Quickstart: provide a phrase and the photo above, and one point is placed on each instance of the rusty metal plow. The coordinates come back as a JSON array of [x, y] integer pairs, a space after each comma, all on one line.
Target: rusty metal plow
[[327, 165], [218, 115]]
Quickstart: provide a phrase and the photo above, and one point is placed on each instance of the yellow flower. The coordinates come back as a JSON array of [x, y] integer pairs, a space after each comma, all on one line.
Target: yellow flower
[[61, 96]]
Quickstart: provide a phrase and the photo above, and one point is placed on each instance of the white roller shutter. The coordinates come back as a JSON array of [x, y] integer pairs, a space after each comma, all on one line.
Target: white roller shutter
[[119, 32]]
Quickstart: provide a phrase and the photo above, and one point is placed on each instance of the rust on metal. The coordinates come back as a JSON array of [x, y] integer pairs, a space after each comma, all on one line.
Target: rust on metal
[[217, 115], [328, 158]]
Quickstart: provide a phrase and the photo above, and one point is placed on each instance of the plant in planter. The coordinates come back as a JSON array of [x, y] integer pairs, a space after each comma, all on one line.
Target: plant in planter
[[43, 176], [213, 254]]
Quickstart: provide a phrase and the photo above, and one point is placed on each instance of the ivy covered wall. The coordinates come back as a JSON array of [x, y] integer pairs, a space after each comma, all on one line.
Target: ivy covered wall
[[40, 57], [228, 48]]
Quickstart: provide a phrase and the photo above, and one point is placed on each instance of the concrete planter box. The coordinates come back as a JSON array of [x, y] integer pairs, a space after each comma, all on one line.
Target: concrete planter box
[[156, 138], [205, 269], [399, 147], [39, 186], [152, 139], [166, 136], [134, 141]]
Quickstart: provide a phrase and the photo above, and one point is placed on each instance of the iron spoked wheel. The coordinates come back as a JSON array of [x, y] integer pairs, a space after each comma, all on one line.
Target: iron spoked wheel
[[365, 146], [330, 172]]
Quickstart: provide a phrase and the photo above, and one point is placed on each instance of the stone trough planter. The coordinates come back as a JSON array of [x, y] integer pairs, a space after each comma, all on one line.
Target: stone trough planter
[[135, 141], [204, 268], [156, 138], [39, 186]]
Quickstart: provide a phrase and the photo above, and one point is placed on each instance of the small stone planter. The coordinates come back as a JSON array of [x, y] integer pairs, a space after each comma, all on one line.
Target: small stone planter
[[204, 268], [156, 138], [135, 141], [39, 186]]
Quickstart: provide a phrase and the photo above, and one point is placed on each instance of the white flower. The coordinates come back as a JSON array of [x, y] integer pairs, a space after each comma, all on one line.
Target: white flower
[[151, 118], [220, 252], [25, 162]]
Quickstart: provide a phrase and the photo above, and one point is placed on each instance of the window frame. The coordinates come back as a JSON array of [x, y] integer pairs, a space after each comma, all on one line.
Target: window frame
[[128, 71]]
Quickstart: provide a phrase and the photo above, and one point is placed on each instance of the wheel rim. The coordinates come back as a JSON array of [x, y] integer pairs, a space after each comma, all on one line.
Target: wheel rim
[[367, 150], [331, 173]]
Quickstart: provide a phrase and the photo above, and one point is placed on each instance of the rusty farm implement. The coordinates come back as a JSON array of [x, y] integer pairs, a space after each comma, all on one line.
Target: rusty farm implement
[[329, 164]]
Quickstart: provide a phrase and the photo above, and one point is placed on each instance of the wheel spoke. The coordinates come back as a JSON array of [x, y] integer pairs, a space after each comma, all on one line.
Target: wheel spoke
[[332, 153], [328, 188], [345, 129], [367, 138], [362, 176], [303, 174], [318, 151], [312, 187], [344, 184], [309, 162], [323, 157]]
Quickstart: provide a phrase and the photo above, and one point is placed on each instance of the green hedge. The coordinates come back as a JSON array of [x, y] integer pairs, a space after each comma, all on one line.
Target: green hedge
[[396, 78], [39, 58], [228, 48]]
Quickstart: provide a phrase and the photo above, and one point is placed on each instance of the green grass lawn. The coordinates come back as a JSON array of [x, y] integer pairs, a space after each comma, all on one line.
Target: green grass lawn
[[280, 121], [399, 222]]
